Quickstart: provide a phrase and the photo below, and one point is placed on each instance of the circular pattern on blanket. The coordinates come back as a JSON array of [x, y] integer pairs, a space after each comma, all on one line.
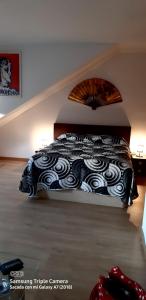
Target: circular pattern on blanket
[[65, 153], [95, 180], [96, 164], [89, 144], [117, 190], [28, 186], [69, 145], [79, 144], [87, 139], [31, 191], [29, 165], [76, 166], [107, 140], [71, 138], [69, 182], [75, 157], [62, 136], [58, 147], [112, 175], [62, 168], [77, 152], [27, 180], [102, 190], [127, 178], [85, 187], [47, 177], [42, 186], [88, 151], [121, 164], [55, 185], [44, 162], [95, 138]]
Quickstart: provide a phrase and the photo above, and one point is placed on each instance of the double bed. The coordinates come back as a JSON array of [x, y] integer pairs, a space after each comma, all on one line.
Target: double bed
[[85, 163]]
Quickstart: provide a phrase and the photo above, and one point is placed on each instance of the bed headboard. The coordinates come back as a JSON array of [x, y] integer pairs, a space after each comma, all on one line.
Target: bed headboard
[[123, 131]]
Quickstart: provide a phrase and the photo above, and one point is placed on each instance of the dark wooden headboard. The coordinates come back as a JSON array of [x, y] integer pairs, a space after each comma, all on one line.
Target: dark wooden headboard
[[123, 131]]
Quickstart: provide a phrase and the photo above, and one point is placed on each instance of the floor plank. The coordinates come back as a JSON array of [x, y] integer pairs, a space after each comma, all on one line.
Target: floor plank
[[65, 240]]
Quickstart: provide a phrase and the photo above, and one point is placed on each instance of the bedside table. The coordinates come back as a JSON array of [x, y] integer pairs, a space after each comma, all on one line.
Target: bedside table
[[139, 165]]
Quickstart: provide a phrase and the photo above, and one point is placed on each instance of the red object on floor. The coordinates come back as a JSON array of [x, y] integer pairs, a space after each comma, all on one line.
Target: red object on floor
[[100, 291], [118, 274]]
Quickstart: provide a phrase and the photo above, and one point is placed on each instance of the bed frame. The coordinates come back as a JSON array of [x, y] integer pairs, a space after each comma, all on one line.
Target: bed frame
[[123, 131], [80, 196]]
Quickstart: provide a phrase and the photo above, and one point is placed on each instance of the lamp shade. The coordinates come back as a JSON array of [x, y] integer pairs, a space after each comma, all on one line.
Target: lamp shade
[[140, 150]]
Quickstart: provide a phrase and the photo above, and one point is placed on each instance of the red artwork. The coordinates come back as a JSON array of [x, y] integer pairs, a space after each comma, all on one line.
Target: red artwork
[[9, 74]]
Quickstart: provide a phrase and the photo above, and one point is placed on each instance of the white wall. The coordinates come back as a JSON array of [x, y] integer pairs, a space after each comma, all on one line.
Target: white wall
[[43, 65], [128, 73], [22, 135], [144, 221]]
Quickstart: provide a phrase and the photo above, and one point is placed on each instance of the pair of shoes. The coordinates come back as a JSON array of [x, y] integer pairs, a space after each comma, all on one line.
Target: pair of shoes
[[117, 286]]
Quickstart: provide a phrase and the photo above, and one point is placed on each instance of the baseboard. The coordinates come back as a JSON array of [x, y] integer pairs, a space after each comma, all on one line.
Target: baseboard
[[14, 158]]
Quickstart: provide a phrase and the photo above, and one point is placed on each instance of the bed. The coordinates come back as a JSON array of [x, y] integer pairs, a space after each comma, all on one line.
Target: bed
[[90, 163]]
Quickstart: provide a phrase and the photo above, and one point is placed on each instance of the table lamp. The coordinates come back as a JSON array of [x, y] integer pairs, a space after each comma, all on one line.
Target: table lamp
[[139, 151]]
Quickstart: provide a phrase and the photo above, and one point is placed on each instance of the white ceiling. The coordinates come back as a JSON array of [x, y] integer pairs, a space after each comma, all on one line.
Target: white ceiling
[[100, 21]]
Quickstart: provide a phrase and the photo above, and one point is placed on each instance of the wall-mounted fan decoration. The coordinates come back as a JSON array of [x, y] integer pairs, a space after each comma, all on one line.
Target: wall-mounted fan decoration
[[95, 92]]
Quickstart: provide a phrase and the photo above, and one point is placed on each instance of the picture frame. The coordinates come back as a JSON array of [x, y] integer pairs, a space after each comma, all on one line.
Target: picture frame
[[10, 74]]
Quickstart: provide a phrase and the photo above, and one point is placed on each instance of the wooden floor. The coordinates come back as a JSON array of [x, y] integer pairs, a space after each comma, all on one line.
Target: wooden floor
[[65, 240]]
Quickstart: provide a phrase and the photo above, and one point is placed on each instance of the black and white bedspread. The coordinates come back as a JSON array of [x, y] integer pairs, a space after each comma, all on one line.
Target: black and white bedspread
[[100, 164]]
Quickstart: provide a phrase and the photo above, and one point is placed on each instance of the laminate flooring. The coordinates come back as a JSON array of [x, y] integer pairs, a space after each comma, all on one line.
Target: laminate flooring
[[66, 240]]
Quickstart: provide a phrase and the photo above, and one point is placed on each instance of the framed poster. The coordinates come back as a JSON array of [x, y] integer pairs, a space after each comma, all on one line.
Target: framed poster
[[9, 74]]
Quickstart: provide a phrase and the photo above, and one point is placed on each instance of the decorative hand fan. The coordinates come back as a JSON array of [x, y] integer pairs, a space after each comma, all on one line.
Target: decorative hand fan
[[95, 92]]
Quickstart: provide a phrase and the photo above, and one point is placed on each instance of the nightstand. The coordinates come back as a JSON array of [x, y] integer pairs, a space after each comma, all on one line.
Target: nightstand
[[139, 165]]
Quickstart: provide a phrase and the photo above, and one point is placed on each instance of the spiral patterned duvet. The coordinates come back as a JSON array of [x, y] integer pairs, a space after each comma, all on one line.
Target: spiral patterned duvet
[[99, 164]]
